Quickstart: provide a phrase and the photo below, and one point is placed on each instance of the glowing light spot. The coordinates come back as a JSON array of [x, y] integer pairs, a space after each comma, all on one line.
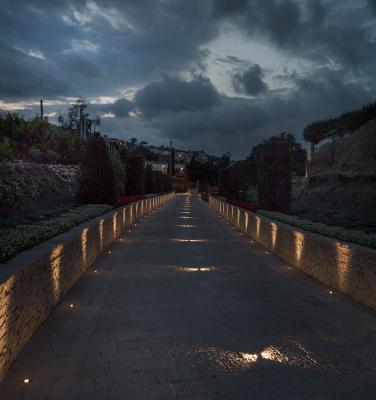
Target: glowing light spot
[[344, 257], [258, 226], [273, 354], [71, 305], [55, 270], [109, 252], [196, 269], [84, 235], [192, 240], [330, 291], [274, 234], [299, 245], [249, 358], [27, 380]]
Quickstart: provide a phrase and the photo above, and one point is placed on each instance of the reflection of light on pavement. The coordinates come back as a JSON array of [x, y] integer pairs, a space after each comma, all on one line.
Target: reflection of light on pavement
[[191, 240], [196, 269], [250, 358], [273, 354]]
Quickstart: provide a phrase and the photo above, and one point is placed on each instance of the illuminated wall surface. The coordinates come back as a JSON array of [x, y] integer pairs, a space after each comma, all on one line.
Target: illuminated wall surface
[[347, 267], [33, 282]]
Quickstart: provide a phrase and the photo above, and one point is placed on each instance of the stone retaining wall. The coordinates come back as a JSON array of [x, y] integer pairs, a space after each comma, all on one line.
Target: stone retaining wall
[[346, 267], [33, 282]]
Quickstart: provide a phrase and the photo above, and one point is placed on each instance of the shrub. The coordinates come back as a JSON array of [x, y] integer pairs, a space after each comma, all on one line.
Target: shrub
[[135, 183], [97, 184], [352, 236], [6, 150], [23, 237], [346, 123]]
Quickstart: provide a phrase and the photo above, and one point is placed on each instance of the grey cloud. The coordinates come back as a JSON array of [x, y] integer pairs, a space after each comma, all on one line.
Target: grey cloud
[[250, 81], [137, 40], [27, 77], [372, 5], [245, 122], [121, 108], [174, 95]]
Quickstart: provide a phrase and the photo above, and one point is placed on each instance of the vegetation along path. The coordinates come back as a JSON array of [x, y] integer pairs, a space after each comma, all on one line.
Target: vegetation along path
[[183, 306]]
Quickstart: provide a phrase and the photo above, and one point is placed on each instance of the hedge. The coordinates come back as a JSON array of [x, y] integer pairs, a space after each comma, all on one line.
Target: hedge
[[346, 235], [23, 237]]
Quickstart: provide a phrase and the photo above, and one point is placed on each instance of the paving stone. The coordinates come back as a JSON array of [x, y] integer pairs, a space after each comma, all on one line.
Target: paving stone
[[168, 317]]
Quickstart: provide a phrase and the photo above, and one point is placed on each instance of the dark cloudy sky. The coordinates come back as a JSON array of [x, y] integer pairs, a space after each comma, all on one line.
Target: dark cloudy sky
[[217, 75]]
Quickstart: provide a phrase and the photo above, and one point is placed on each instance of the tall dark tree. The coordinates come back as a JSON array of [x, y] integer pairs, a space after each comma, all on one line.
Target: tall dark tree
[[97, 183], [223, 179], [150, 186], [274, 175], [135, 183]]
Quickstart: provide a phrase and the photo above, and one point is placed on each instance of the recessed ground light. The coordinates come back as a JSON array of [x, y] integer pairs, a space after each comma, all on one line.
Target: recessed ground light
[[330, 292], [109, 252], [95, 271], [71, 305], [26, 381], [266, 252]]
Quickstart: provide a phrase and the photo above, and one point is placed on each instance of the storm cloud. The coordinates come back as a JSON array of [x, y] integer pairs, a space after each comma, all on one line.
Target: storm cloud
[[250, 81], [218, 75]]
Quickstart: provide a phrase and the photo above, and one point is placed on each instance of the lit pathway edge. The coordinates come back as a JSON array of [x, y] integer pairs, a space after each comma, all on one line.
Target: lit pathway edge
[[36, 280], [347, 267]]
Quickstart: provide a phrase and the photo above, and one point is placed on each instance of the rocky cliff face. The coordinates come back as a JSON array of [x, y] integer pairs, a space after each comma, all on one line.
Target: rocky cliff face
[[341, 184]]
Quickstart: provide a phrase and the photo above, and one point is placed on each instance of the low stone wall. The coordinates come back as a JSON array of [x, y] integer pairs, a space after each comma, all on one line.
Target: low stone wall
[[33, 282], [346, 267]]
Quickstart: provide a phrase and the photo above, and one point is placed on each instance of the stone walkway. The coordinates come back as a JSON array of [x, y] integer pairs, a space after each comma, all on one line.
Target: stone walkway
[[185, 307]]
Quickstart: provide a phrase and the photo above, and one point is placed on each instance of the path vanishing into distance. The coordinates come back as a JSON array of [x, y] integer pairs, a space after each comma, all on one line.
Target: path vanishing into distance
[[185, 307]]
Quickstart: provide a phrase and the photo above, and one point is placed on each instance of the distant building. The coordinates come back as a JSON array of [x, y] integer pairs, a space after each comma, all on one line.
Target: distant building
[[158, 166]]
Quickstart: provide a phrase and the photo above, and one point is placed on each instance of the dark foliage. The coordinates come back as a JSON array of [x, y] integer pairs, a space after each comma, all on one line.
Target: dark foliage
[[150, 186], [274, 175], [223, 178], [135, 183], [97, 183], [346, 123], [162, 182]]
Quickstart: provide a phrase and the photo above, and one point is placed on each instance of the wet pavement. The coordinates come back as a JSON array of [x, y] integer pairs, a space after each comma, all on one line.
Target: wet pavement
[[185, 307]]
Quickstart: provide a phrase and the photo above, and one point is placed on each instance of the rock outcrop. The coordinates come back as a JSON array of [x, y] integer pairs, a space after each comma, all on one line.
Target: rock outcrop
[[28, 187], [341, 184]]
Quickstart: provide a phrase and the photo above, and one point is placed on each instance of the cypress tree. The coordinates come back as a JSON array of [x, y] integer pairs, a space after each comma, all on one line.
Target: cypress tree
[[97, 183], [274, 176]]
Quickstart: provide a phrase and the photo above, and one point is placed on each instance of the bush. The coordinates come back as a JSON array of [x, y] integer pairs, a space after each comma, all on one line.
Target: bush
[[346, 123], [352, 236], [274, 175], [6, 150], [97, 184], [23, 237], [135, 183]]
